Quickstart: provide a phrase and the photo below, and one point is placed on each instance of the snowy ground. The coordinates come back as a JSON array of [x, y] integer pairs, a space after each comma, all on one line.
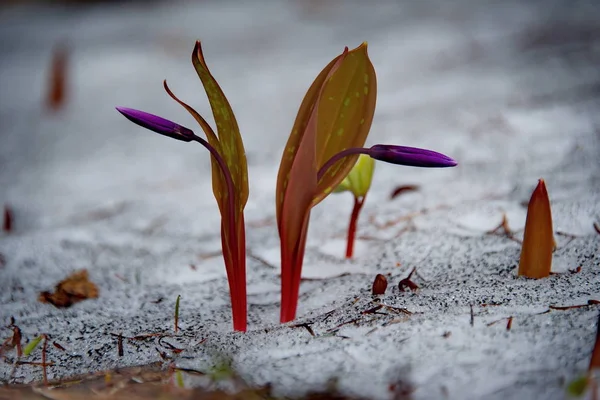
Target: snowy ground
[[510, 90]]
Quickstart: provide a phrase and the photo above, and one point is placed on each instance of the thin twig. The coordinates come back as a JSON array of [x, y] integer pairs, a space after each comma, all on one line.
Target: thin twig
[[305, 326]]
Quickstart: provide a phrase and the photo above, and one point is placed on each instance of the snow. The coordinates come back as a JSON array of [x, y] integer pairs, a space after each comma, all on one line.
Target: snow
[[508, 89]]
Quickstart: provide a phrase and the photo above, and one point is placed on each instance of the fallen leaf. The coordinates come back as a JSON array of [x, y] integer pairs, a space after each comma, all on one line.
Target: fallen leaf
[[74, 289]]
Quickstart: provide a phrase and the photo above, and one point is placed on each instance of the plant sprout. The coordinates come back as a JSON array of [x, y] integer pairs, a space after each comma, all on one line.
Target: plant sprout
[[358, 182], [538, 239], [327, 137], [229, 174]]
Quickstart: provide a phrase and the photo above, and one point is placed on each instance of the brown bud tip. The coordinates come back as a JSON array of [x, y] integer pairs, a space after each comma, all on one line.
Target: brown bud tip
[[8, 217], [379, 285], [58, 78], [538, 239]]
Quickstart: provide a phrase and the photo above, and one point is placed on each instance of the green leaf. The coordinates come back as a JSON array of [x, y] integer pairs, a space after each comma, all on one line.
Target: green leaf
[[32, 345], [358, 180], [230, 140], [345, 114], [297, 135], [179, 379], [578, 386], [177, 312]]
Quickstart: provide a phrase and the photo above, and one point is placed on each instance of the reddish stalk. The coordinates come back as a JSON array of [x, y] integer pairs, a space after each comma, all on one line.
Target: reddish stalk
[[292, 258], [291, 271], [234, 250], [358, 204], [44, 365]]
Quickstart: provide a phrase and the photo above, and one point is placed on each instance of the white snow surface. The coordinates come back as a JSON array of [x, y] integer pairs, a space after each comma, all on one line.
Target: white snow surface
[[509, 89]]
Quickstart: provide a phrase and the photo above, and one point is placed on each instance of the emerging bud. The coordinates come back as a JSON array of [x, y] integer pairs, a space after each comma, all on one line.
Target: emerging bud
[[379, 285], [538, 239], [157, 124], [358, 180], [410, 156]]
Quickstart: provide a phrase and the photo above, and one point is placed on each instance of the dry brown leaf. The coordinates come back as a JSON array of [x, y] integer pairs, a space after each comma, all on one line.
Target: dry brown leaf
[[75, 288]]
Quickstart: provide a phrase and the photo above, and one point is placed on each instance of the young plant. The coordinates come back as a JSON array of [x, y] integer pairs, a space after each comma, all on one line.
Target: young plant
[[330, 129], [538, 239], [229, 174], [358, 182]]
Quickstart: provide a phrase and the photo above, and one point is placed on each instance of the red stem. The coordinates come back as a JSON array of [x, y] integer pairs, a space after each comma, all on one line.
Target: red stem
[[358, 203], [291, 259], [234, 252], [291, 271], [44, 366]]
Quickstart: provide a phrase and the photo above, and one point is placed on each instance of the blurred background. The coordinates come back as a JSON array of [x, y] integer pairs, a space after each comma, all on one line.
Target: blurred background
[[451, 75]]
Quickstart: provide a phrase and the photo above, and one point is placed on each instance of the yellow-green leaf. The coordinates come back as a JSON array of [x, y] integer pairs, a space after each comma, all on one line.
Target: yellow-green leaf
[[218, 181], [298, 132], [231, 146], [345, 114], [358, 180], [578, 386], [32, 345]]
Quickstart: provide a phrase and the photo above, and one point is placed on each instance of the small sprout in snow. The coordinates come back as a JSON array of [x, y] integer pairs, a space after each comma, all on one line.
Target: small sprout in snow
[[7, 225], [358, 182], [120, 351], [331, 127], [177, 313], [229, 174], [538, 239], [30, 347], [472, 319], [379, 285]]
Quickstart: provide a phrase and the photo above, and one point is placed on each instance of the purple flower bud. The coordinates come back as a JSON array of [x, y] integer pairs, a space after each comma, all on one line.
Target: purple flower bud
[[157, 124], [411, 156]]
